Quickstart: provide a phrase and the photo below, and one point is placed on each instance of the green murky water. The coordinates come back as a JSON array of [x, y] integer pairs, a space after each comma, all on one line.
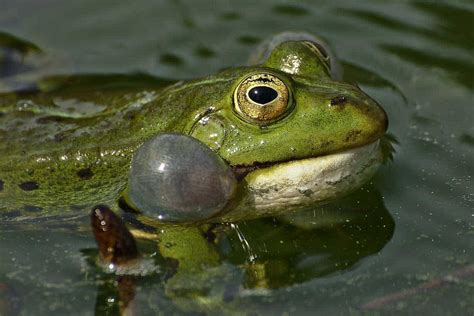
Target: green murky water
[[414, 57]]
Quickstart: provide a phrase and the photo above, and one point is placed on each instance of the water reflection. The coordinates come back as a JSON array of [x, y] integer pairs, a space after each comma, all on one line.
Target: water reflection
[[259, 255], [314, 243], [10, 302]]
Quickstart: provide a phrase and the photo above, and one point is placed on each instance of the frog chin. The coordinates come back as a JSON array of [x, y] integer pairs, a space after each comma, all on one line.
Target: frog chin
[[293, 185]]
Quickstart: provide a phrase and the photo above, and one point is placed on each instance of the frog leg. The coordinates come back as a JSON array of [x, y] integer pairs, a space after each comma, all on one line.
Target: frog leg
[[202, 282], [116, 296], [117, 247], [116, 243], [196, 262], [265, 275]]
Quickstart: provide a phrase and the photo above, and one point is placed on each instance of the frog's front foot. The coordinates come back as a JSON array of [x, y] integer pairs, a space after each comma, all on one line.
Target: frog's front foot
[[177, 178], [196, 265], [117, 249], [116, 244]]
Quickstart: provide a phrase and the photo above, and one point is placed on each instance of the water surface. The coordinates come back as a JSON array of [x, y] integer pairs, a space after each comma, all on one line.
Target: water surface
[[414, 57]]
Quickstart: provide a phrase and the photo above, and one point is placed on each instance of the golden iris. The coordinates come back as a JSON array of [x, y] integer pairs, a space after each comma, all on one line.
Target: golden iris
[[262, 98]]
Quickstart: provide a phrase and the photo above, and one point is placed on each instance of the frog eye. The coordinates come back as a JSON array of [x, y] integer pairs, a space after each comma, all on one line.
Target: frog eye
[[262, 98]]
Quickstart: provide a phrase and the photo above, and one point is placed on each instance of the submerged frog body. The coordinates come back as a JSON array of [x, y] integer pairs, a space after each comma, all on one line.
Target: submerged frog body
[[292, 135]]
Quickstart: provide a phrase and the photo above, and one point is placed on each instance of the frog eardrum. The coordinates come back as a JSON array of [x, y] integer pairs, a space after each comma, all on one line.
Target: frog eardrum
[[262, 98], [176, 178]]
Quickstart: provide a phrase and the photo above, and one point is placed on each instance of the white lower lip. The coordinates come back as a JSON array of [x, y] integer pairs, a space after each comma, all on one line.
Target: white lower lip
[[293, 185]]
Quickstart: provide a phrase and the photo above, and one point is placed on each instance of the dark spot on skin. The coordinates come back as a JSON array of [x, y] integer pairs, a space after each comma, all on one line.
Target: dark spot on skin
[[32, 208], [59, 137], [210, 233], [307, 192], [262, 192], [352, 135], [85, 174], [339, 100], [10, 214], [327, 143], [29, 186], [1, 185], [51, 119], [131, 115]]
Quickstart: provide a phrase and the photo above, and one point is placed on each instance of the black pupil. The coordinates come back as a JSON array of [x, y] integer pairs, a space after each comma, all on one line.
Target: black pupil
[[262, 94]]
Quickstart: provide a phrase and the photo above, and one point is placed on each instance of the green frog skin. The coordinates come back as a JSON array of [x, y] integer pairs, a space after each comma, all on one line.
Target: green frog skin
[[318, 139]]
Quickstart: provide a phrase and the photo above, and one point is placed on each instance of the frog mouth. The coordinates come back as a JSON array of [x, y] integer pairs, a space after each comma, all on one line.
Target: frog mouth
[[241, 171], [277, 188]]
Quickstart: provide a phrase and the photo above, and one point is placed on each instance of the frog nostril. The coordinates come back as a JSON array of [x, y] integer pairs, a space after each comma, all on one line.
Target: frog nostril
[[339, 100]]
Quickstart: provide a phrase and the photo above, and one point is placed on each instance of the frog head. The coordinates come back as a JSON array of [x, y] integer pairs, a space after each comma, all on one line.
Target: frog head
[[293, 134]]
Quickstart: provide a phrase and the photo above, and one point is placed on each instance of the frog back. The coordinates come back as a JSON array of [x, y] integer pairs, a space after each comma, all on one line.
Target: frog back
[[62, 152]]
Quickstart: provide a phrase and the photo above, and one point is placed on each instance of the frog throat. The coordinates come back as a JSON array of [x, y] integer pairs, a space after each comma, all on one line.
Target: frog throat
[[297, 184]]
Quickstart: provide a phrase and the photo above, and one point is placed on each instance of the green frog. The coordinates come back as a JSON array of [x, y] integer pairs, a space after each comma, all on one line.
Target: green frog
[[285, 132], [311, 140]]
